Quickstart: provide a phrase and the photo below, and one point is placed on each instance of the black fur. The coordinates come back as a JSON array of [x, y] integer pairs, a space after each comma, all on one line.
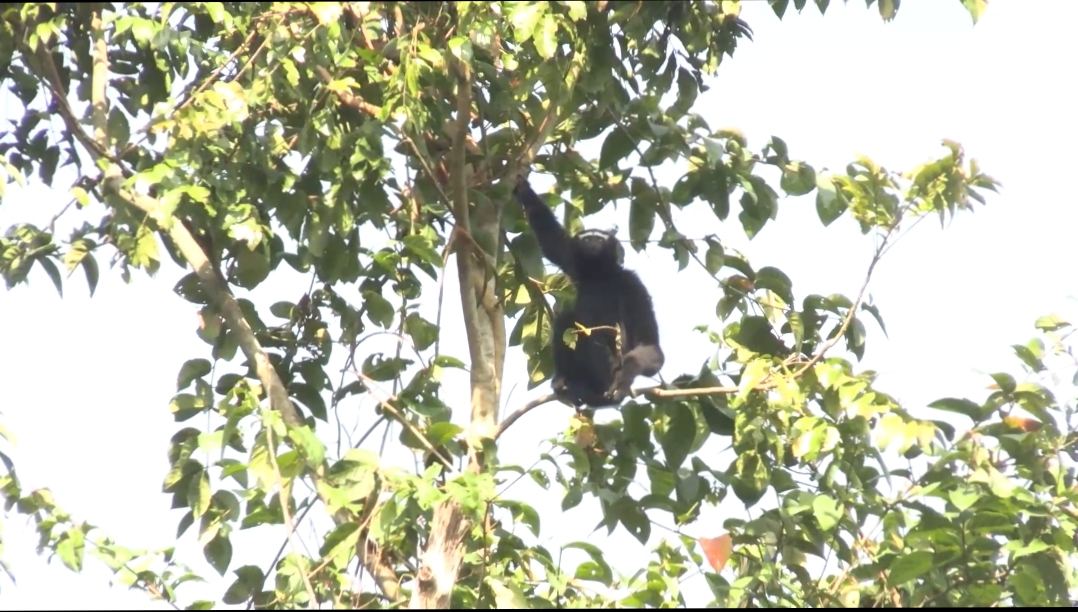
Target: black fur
[[595, 373]]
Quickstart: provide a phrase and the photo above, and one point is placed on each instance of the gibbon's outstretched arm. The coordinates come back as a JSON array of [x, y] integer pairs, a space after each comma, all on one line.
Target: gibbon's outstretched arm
[[553, 240], [644, 357]]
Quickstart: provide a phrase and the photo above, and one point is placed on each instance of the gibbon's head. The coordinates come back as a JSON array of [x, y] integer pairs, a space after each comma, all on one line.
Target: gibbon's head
[[597, 251]]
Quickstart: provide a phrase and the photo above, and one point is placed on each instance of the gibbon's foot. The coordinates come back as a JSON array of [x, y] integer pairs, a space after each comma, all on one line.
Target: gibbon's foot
[[563, 395]]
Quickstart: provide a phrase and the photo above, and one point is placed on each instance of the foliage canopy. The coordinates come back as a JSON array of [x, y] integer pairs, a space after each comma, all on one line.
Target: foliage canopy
[[366, 145]]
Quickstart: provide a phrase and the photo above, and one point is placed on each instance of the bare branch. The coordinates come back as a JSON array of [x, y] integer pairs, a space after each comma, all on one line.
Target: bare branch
[[508, 421]]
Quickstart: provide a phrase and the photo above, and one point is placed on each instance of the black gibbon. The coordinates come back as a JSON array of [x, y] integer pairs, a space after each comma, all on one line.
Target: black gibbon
[[617, 336]]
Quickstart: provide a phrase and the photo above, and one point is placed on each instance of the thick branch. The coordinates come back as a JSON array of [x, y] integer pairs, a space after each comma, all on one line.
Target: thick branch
[[484, 327], [218, 292], [441, 559]]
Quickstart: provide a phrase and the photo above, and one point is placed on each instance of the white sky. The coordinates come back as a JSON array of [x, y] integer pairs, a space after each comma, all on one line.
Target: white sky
[[86, 382]]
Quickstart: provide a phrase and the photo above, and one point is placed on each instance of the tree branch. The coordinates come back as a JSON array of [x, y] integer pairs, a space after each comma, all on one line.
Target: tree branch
[[508, 421], [441, 559]]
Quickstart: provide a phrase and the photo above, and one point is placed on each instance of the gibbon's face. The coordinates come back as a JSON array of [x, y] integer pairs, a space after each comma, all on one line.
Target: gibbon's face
[[597, 249]]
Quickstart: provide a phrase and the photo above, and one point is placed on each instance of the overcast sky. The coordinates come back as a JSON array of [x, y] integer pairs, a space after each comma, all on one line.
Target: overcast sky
[[86, 382]]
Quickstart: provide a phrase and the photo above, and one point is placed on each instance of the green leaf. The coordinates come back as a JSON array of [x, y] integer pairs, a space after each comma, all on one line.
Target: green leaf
[[888, 9], [219, 552], [1027, 586], [617, 146], [577, 9], [524, 514], [507, 595], [448, 361], [443, 432], [309, 397], [593, 551], [53, 272], [1028, 357], [1005, 381], [342, 539], [525, 16], [976, 8], [641, 222], [119, 132], [379, 310], [251, 267], [798, 179], [305, 439], [199, 493], [687, 91], [777, 281], [875, 312], [827, 512], [546, 39], [633, 518], [249, 580], [422, 332], [855, 338], [963, 498], [89, 267], [755, 333], [1051, 323], [189, 288], [830, 202], [715, 256], [282, 310], [461, 48], [679, 435], [909, 567], [960, 406], [72, 548], [192, 369], [749, 477], [720, 424]]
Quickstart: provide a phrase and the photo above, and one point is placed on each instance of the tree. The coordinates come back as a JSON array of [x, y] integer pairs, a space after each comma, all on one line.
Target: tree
[[367, 145]]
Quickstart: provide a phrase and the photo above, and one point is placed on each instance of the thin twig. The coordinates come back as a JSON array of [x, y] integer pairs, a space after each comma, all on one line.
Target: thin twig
[[396, 414]]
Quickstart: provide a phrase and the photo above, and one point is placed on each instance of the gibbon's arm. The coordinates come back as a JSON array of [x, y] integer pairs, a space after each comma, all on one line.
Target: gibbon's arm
[[553, 240], [645, 357]]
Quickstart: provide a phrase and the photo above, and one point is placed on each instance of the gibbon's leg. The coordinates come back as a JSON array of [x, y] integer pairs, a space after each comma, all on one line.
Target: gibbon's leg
[[583, 373], [564, 360], [644, 357], [599, 364]]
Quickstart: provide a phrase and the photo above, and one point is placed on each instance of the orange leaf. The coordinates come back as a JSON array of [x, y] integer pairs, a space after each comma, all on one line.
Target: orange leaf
[[585, 431], [1024, 424], [741, 282], [717, 550]]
